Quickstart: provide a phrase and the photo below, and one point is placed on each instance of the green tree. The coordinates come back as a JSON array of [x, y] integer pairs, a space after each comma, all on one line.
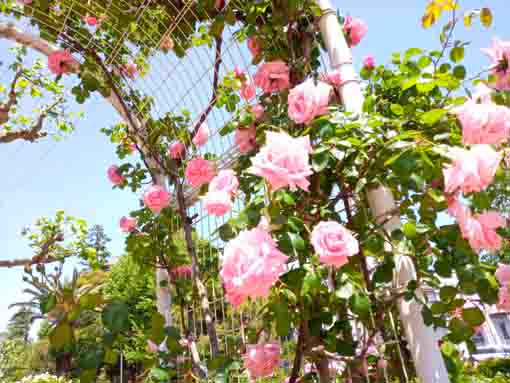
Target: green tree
[[20, 324]]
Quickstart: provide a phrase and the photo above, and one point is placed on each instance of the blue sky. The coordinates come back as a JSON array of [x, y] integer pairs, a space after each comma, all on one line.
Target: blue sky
[[37, 179]]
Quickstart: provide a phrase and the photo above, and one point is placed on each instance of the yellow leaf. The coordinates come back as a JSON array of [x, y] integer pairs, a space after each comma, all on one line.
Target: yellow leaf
[[486, 17], [468, 19], [447, 5], [432, 13]]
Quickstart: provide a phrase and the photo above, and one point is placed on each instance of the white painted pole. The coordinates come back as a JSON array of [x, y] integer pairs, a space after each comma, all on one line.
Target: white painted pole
[[421, 339]]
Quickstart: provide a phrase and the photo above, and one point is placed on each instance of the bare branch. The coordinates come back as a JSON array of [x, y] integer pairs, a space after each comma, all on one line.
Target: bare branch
[[11, 99], [41, 257]]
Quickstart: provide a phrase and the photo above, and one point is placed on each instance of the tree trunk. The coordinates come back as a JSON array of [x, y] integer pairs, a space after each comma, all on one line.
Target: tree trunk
[[63, 363]]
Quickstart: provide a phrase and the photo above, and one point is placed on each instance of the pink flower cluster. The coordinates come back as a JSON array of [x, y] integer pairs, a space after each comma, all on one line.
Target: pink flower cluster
[[369, 62], [283, 161], [181, 272], [499, 53], [472, 170], [251, 265], [156, 198], [245, 139], [333, 243], [503, 276], [308, 100], [483, 121], [201, 136], [355, 29], [479, 229], [128, 224], [262, 359], [272, 76], [199, 171], [61, 61], [223, 187], [248, 90], [114, 175], [257, 110]]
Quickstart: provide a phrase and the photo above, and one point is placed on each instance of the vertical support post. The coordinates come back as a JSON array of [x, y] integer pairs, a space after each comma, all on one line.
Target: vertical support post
[[421, 339]]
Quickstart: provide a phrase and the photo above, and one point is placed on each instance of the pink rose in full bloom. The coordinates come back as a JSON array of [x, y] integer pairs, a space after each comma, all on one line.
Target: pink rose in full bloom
[[181, 272], [199, 171], [307, 100], [262, 359], [369, 62], [472, 170], [499, 53], [503, 274], [355, 29], [128, 224], [225, 181], [503, 299], [217, 203], [283, 161], [333, 243], [202, 135], [176, 150], [130, 70], [156, 198], [479, 229], [246, 139], [272, 76], [257, 110], [248, 90], [333, 78], [254, 46], [483, 122], [251, 264], [90, 20], [114, 175], [61, 61]]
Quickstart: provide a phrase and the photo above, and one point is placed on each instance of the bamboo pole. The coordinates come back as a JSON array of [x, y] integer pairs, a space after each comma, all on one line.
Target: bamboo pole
[[422, 341]]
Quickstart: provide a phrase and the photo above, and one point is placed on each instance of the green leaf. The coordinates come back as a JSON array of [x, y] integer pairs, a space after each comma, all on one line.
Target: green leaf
[[159, 374], [311, 283], [397, 109], [486, 17], [432, 116], [115, 316], [320, 160], [438, 308], [459, 72], [91, 301], [61, 335], [409, 229], [457, 54], [48, 303], [87, 376], [157, 328], [226, 232], [282, 314], [447, 293], [473, 316], [360, 305], [297, 241]]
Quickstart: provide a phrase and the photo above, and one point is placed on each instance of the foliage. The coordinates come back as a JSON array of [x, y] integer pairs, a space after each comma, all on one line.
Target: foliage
[[44, 378], [491, 367]]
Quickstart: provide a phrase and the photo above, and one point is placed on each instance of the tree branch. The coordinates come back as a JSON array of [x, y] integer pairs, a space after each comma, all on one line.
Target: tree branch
[[11, 100], [40, 258]]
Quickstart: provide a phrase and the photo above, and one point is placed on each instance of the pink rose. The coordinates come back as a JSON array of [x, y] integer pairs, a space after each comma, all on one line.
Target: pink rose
[[333, 78], [262, 359], [355, 29], [257, 110], [499, 53], [251, 265], [307, 100], [114, 175], [503, 299], [128, 224], [254, 46], [130, 70], [61, 61], [480, 229], [369, 62], [201, 136], [199, 172], [225, 181], [176, 150], [217, 203], [283, 161], [248, 90], [246, 139], [333, 243], [181, 272], [166, 43], [90, 20], [156, 198], [272, 76], [485, 122], [503, 274], [472, 170]]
